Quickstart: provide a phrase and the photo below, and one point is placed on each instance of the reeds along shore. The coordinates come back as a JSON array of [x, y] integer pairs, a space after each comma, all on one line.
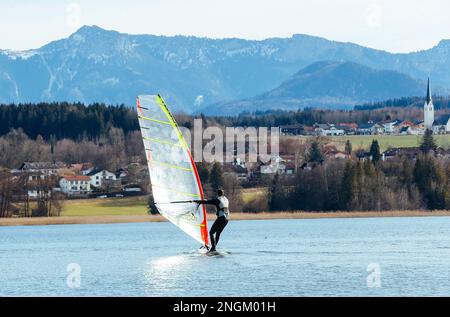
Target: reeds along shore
[[234, 216]]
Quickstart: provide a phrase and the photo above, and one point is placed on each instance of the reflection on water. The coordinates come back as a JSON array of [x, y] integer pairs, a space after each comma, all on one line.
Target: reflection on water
[[164, 265], [163, 274], [169, 275]]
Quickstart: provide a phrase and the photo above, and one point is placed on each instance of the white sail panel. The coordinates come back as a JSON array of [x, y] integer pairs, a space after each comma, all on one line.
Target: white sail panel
[[173, 174]]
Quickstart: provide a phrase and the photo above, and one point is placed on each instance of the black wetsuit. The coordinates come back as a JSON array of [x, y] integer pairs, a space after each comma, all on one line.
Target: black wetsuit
[[218, 225]]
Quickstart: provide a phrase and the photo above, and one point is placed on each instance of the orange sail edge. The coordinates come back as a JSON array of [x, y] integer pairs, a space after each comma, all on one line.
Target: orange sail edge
[[204, 226], [138, 104]]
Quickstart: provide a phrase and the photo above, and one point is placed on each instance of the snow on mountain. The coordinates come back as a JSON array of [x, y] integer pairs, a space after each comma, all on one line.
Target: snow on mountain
[[97, 65]]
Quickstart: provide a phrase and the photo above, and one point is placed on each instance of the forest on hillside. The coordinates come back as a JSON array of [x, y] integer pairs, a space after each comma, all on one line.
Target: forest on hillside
[[75, 121], [440, 102], [66, 120]]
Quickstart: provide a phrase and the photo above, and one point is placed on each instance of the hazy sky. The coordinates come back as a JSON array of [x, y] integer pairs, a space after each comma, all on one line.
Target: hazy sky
[[392, 25]]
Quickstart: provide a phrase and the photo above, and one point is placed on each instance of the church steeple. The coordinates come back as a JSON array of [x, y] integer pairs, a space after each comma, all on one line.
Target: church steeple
[[428, 110], [429, 100]]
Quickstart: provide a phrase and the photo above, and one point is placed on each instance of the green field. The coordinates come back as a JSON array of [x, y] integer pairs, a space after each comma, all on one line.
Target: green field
[[106, 207], [388, 141], [250, 194], [385, 141], [127, 206]]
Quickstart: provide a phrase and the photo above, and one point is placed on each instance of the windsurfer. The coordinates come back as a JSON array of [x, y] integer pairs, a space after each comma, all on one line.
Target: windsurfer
[[222, 212]]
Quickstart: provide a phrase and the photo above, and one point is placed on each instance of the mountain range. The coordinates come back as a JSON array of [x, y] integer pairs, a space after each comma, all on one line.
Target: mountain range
[[327, 84], [199, 74]]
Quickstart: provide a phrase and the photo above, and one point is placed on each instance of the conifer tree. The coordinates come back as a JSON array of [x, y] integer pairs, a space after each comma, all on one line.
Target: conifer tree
[[348, 147], [316, 154], [203, 171], [428, 144], [216, 177], [375, 151]]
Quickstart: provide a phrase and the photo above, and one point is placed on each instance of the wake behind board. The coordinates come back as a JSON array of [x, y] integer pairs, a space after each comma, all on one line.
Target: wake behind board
[[217, 253], [213, 253]]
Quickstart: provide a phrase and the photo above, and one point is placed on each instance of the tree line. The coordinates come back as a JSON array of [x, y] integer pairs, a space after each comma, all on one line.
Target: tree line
[[66, 120], [14, 195], [111, 151], [440, 102], [75, 121], [369, 184]]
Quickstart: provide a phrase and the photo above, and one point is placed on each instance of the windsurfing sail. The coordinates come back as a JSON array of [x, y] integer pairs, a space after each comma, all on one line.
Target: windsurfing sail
[[173, 174]]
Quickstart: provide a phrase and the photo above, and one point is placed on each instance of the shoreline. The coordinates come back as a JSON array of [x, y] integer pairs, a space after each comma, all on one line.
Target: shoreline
[[67, 220]]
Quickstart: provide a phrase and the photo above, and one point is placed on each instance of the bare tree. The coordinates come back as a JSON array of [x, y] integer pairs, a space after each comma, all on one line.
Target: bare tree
[[6, 193], [49, 203]]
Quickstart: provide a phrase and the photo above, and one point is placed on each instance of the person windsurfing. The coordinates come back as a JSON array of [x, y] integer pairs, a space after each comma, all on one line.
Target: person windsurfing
[[222, 213]]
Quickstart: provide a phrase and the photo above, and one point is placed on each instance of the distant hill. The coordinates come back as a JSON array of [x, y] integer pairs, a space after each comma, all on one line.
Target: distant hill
[[440, 102], [96, 65], [328, 84]]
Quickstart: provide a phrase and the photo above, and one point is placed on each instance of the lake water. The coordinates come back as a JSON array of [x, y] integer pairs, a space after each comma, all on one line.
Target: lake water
[[329, 257]]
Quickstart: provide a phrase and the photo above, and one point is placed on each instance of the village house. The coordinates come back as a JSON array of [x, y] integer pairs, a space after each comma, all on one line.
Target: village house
[[75, 185], [290, 163], [35, 193], [294, 129], [86, 169], [319, 128], [349, 126], [121, 173], [442, 125], [410, 130], [389, 126], [333, 131], [328, 130], [336, 155], [403, 152], [98, 177], [369, 128], [405, 130], [419, 127], [274, 166], [348, 130], [399, 127], [132, 188], [78, 168], [240, 172], [330, 151], [279, 165], [308, 130], [47, 168], [37, 173]]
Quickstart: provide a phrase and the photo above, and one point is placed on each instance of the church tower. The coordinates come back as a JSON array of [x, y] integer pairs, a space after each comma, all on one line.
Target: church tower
[[428, 110]]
